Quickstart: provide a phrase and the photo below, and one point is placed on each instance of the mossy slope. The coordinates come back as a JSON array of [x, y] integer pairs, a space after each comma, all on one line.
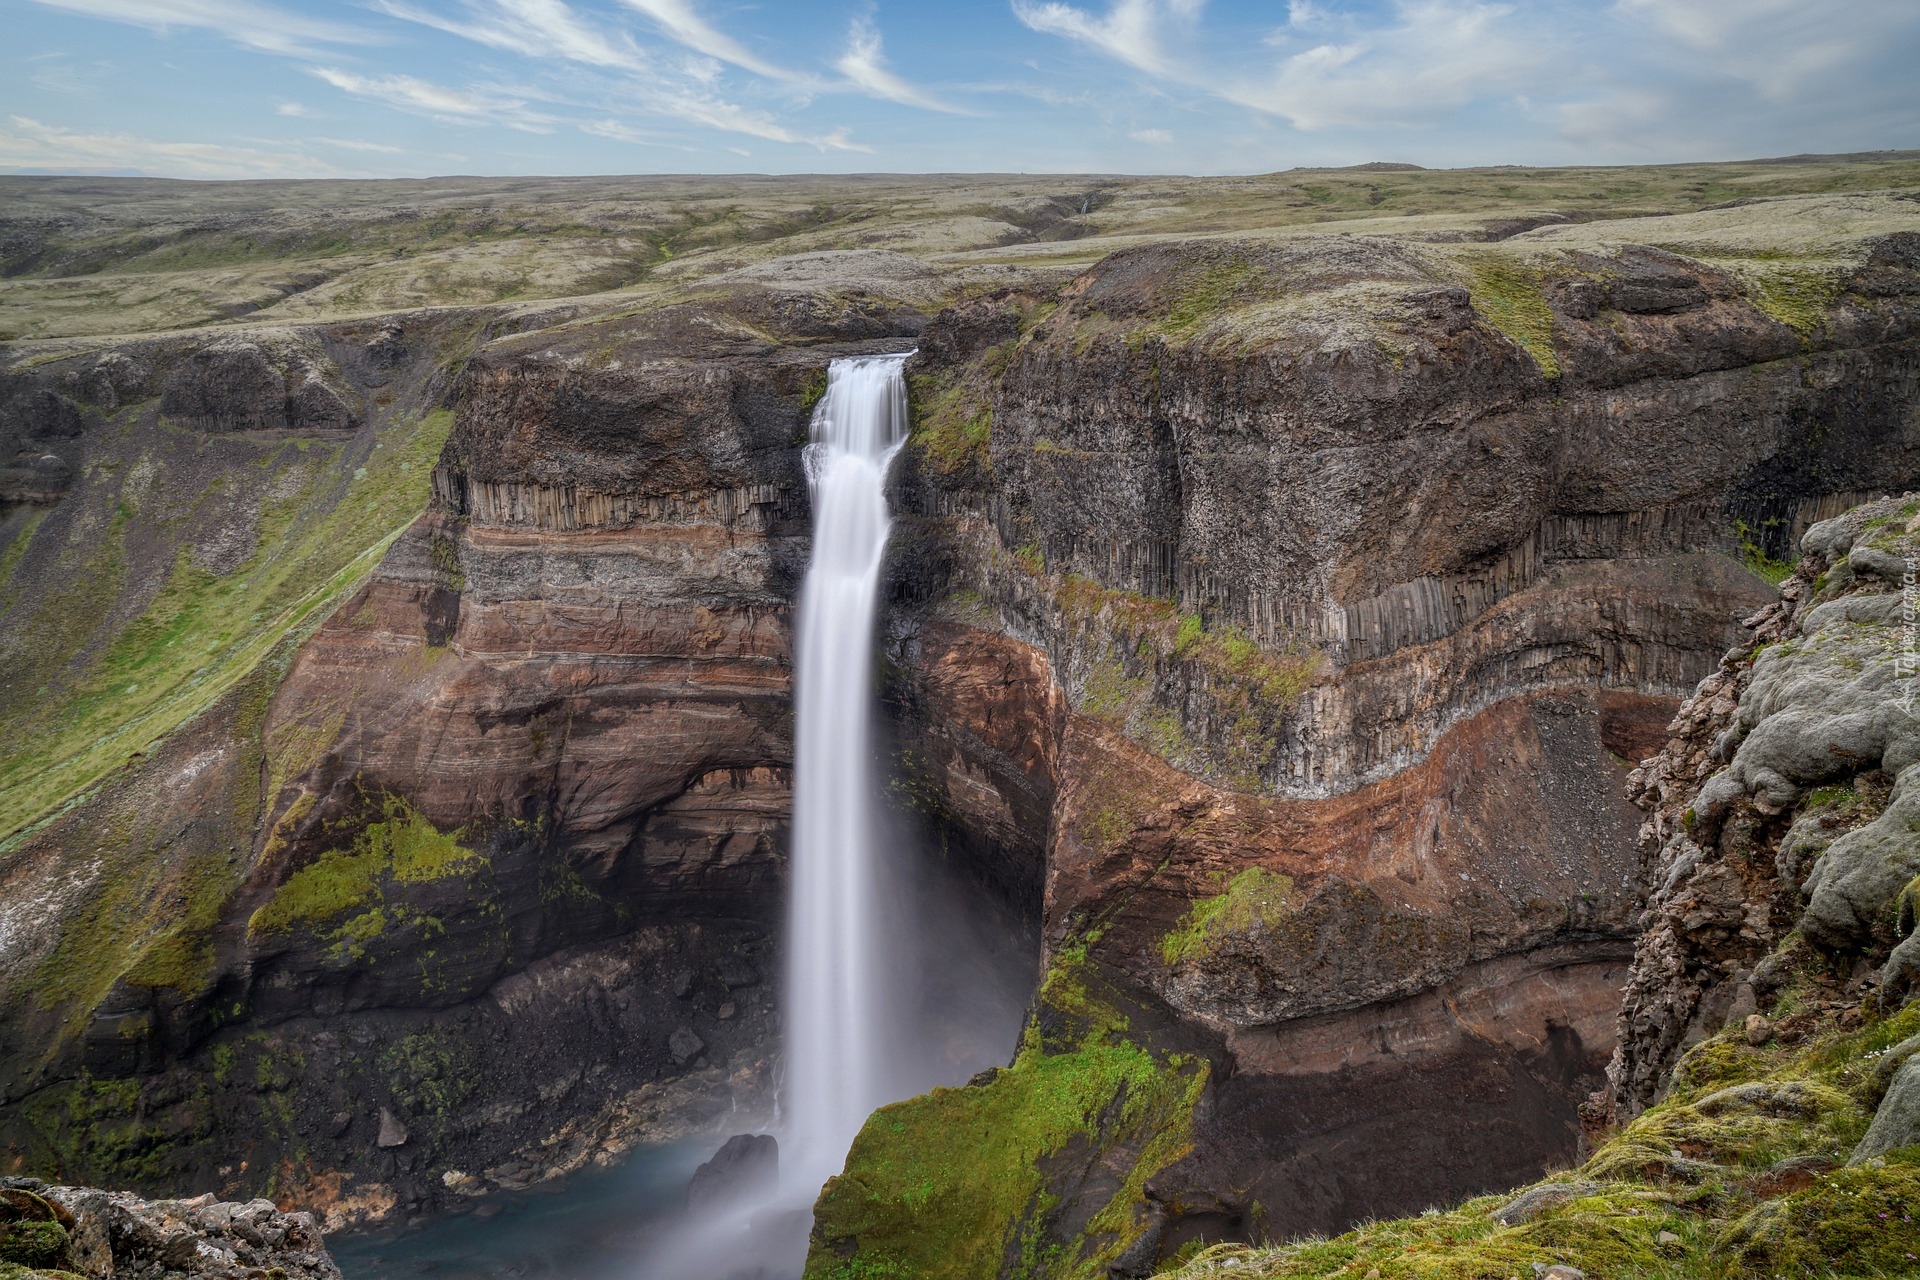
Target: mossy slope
[[985, 1180], [100, 669], [1739, 1172]]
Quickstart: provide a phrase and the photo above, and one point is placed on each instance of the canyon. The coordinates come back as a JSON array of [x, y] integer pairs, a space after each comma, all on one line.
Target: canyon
[[1275, 618]]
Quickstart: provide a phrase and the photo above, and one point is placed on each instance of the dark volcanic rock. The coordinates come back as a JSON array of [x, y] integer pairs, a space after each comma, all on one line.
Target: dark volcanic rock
[[745, 1168], [235, 385]]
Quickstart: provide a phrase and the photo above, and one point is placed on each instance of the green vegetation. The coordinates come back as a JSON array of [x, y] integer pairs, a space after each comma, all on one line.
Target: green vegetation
[[1800, 295], [1755, 557], [1137, 642], [150, 912], [953, 425], [402, 848], [1740, 1171], [952, 417], [99, 1132], [202, 632], [813, 390], [948, 1185], [127, 259], [1206, 294], [1507, 291], [426, 1072], [1255, 896]]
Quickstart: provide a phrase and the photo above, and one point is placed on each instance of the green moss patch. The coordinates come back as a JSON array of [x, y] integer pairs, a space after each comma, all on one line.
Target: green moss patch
[[1256, 896], [1851, 1222], [1614, 1234], [1508, 293], [402, 848], [203, 632], [956, 1185]]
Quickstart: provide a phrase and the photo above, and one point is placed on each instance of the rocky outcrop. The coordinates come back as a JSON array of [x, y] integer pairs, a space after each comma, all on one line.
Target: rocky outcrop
[[111, 1235], [1779, 809], [236, 386], [1763, 1107]]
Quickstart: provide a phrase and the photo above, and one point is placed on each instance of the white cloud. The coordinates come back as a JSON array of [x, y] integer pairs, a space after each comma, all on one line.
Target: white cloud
[[1437, 56], [296, 109], [245, 22], [1132, 30], [79, 80], [30, 144], [355, 144], [683, 24], [864, 65], [1155, 136], [532, 28], [717, 113], [1778, 46], [438, 102]]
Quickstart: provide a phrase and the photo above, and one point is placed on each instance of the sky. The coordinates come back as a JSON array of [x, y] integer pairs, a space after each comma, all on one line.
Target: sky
[[407, 88]]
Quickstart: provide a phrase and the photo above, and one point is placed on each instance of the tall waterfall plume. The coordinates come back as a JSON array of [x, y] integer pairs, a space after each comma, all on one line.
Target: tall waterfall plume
[[836, 1014]]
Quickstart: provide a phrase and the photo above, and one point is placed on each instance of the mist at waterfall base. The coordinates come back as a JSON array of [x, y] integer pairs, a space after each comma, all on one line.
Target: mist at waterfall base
[[898, 976]]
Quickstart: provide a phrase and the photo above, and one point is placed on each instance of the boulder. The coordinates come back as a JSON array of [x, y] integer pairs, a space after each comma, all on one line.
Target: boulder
[[41, 414], [1897, 1122], [1535, 1201], [1855, 885], [746, 1168], [393, 1132]]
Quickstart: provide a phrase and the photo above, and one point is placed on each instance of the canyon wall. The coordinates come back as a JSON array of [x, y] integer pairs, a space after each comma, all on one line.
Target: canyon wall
[[1364, 596], [1274, 624]]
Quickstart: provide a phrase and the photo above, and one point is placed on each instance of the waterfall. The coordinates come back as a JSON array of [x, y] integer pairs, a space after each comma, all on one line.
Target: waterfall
[[837, 1041], [858, 1006]]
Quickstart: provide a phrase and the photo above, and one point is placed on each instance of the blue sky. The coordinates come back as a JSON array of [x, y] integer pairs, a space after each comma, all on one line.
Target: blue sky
[[285, 88]]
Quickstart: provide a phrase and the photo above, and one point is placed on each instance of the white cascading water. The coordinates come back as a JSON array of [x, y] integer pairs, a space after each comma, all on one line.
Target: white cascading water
[[837, 1042], [842, 1051]]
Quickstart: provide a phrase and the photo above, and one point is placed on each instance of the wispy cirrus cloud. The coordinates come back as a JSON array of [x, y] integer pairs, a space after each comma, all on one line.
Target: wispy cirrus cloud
[[441, 103], [682, 24], [531, 28], [245, 22], [864, 65], [1133, 31], [27, 143]]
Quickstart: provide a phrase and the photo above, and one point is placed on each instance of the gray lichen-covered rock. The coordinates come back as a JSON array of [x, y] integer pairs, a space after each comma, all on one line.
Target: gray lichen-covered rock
[[1821, 710], [1897, 1123], [1823, 698], [1855, 884], [112, 1235]]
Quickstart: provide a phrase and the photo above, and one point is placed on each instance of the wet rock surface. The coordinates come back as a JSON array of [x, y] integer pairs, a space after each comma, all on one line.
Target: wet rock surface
[[746, 1168]]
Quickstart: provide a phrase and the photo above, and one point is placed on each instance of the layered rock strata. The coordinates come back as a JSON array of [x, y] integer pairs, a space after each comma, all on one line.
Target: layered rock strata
[[1274, 623], [1364, 599]]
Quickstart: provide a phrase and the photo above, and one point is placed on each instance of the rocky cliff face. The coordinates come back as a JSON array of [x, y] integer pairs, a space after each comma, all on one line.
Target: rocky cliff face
[[1777, 836], [478, 884], [1274, 625], [1762, 1115], [1364, 592]]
